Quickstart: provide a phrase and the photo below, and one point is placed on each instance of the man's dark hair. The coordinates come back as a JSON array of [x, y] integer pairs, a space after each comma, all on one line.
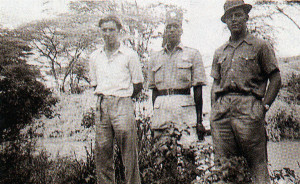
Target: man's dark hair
[[109, 18]]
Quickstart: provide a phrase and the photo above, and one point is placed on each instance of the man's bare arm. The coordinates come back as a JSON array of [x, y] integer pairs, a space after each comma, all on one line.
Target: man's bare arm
[[273, 88], [199, 105], [137, 88], [214, 96]]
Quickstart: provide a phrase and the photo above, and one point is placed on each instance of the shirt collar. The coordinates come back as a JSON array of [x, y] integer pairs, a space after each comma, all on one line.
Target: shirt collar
[[121, 49], [179, 46], [248, 39]]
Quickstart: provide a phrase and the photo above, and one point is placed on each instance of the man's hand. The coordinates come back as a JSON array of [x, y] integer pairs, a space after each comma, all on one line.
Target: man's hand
[[200, 131], [137, 88]]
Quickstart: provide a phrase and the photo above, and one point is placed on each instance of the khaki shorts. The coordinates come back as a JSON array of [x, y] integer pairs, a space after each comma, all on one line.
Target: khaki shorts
[[178, 111]]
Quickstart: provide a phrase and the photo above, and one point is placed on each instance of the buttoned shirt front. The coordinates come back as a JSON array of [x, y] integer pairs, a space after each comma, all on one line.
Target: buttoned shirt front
[[245, 67], [180, 69], [115, 75]]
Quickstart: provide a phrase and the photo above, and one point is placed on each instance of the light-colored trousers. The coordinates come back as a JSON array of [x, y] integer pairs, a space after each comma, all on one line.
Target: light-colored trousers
[[115, 120]]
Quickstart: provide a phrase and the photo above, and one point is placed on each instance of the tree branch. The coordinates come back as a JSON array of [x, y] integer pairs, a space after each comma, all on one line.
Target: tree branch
[[281, 11]]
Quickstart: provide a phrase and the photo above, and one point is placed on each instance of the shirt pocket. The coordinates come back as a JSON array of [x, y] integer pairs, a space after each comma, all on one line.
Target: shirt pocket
[[221, 59], [187, 102], [224, 66], [250, 62], [184, 72], [158, 73]]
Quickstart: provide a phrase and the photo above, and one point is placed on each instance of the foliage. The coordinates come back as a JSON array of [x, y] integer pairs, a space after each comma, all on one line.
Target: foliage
[[285, 175], [227, 170], [88, 119], [283, 118], [291, 89], [140, 23], [69, 118], [22, 96], [18, 159], [67, 170], [163, 159], [261, 21], [64, 42], [260, 24], [61, 42], [283, 121], [21, 163]]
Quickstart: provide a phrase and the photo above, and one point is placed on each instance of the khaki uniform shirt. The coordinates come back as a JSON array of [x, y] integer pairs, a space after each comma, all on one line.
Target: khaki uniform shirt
[[115, 76], [244, 68], [181, 69], [178, 70]]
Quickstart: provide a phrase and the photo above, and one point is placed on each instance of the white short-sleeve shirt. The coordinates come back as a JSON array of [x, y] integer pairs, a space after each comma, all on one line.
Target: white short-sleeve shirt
[[116, 75]]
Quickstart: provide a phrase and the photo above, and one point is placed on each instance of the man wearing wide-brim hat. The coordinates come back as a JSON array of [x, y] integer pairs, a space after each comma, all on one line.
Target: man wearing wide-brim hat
[[241, 95]]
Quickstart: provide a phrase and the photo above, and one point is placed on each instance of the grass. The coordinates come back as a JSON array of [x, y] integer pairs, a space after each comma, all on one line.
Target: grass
[[63, 142]]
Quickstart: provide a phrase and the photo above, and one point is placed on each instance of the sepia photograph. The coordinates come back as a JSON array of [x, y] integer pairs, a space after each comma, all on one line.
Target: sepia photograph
[[149, 91]]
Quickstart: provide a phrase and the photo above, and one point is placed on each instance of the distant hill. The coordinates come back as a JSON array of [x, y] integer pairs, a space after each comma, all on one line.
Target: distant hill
[[289, 59], [289, 65]]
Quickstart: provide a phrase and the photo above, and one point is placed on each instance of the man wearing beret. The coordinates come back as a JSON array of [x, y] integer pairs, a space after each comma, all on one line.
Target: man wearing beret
[[172, 72], [246, 82], [116, 75]]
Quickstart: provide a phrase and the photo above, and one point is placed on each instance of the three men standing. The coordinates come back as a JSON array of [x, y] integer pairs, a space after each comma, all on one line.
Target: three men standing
[[240, 95], [116, 74], [172, 73]]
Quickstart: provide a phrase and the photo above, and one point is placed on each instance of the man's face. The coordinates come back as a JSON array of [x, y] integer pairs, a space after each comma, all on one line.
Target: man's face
[[110, 32], [236, 20], [173, 32]]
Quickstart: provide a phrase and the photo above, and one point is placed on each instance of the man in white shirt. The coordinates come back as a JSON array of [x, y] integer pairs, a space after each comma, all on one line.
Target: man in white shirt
[[117, 77]]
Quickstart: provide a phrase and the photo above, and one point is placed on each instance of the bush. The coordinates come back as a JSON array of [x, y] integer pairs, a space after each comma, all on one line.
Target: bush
[[22, 100], [163, 160], [21, 163], [283, 118], [291, 89], [227, 170], [73, 171], [22, 96], [285, 175], [88, 119], [283, 121]]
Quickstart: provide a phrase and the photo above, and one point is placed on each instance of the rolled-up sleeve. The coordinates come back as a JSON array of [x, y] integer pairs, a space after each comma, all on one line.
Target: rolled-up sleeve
[[198, 72], [135, 69], [92, 71], [268, 59], [215, 69]]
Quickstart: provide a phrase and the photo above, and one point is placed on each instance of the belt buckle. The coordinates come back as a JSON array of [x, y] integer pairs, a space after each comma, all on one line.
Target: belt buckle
[[170, 92]]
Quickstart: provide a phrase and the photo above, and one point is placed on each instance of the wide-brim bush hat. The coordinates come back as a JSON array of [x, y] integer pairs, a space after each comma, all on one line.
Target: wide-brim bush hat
[[232, 4]]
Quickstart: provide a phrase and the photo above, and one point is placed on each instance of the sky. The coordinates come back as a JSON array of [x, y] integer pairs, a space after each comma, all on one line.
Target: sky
[[204, 29]]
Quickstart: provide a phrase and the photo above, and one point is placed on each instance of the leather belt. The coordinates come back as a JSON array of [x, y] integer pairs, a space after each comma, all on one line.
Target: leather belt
[[174, 92], [240, 94]]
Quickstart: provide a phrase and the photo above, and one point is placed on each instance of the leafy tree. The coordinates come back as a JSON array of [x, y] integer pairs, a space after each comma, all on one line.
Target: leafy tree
[[260, 23], [66, 40], [61, 41], [140, 22], [22, 96]]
